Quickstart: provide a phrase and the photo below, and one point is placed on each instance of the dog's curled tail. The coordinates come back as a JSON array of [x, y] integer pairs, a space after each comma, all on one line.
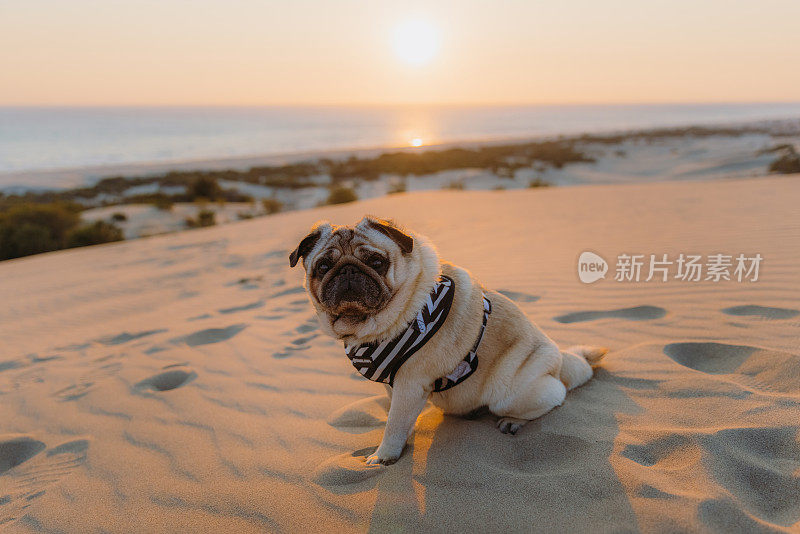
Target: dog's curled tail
[[577, 362]]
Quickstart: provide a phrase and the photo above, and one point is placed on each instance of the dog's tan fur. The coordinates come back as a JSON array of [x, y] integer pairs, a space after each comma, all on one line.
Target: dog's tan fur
[[521, 373]]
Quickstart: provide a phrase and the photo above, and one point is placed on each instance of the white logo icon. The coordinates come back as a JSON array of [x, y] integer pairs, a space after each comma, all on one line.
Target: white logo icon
[[591, 267]]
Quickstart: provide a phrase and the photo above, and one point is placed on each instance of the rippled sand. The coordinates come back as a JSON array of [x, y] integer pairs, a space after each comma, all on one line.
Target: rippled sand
[[181, 384]]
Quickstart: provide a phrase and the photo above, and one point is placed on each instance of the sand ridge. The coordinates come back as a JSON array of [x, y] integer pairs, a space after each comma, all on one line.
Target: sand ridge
[[181, 383]]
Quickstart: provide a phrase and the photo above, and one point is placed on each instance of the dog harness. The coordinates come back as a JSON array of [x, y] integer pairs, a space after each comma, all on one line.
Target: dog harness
[[379, 362]]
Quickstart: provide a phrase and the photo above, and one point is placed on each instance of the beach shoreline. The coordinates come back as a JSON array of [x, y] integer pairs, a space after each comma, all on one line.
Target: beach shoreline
[[196, 194], [71, 177]]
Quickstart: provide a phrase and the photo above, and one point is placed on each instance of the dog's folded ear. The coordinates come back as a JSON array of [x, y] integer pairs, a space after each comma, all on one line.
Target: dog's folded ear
[[305, 246], [403, 240]]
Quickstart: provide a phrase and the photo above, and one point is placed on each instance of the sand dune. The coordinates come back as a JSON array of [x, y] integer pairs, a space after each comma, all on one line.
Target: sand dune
[[181, 384]]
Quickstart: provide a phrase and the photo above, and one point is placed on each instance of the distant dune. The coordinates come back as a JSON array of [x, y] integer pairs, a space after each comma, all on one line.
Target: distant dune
[[180, 383]]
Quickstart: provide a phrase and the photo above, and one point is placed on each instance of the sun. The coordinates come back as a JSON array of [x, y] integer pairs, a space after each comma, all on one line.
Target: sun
[[417, 141], [416, 41]]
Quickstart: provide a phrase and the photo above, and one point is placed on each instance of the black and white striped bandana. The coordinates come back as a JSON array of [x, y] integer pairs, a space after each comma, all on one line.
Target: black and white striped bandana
[[379, 362]]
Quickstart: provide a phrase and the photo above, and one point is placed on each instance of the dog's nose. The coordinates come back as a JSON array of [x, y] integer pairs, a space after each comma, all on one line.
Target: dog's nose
[[349, 271]]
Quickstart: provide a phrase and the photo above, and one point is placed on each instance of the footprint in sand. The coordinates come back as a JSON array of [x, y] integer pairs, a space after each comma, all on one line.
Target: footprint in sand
[[765, 312], [125, 337], [637, 313], [303, 340], [712, 358], [108, 366], [174, 376], [270, 317], [297, 344], [517, 296], [309, 326], [16, 450], [10, 364], [760, 467], [232, 261], [254, 282], [27, 472], [251, 306], [756, 368], [670, 452], [210, 335], [339, 472], [361, 416], [296, 290]]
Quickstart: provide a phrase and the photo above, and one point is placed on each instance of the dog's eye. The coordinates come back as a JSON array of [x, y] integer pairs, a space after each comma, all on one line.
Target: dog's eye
[[377, 263], [323, 267]]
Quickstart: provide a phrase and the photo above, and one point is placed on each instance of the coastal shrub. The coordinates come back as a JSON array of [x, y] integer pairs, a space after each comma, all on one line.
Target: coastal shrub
[[119, 217], [455, 186], [233, 195], [207, 188], [538, 182], [788, 163], [272, 205], [341, 195], [204, 218], [24, 240], [27, 229], [163, 202], [159, 200], [94, 234], [502, 160]]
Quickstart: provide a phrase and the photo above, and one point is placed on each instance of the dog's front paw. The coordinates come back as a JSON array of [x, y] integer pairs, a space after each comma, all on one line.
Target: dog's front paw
[[384, 456], [510, 425]]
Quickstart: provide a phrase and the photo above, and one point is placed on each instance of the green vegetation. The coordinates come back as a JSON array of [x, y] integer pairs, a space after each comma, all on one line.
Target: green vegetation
[[788, 161], [503, 160], [27, 229], [787, 164], [272, 205], [341, 195], [206, 187], [40, 221], [94, 234], [204, 218], [163, 202], [659, 134]]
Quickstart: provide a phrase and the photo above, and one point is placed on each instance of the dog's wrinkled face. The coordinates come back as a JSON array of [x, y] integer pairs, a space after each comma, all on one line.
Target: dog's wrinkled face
[[353, 272]]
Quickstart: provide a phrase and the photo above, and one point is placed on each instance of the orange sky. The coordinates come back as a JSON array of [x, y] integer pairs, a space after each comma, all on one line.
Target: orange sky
[[250, 52]]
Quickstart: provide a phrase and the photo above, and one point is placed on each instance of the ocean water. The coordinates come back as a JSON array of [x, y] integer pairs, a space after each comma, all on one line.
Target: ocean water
[[35, 139]]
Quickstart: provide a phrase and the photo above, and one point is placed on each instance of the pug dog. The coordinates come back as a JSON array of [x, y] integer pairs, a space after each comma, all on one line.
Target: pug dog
[[376, 286]]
